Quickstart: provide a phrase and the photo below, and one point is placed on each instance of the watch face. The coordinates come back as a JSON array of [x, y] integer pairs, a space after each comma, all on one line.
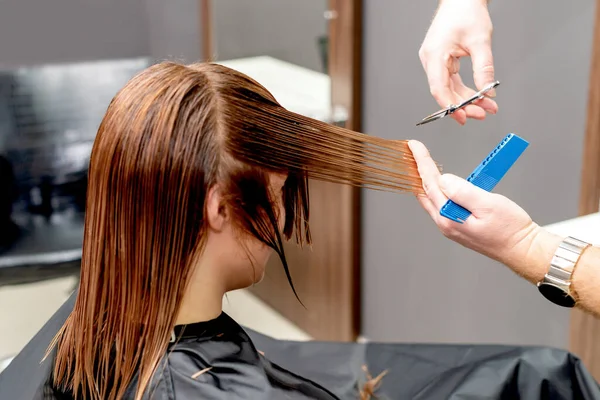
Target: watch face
[[556, 295]]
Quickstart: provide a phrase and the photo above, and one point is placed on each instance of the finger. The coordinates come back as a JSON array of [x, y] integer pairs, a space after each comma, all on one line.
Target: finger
[[439, 72], [466, 194], [424, 200], [483, 65], [474, 110], [488, 105], [453, 65], [438, 77], [460, 116], [429, 173], [428, 206], [464, 91]]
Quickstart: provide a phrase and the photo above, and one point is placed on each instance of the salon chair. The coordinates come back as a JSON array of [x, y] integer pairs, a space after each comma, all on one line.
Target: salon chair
[[49, 116], [4, 363], [412, 371]]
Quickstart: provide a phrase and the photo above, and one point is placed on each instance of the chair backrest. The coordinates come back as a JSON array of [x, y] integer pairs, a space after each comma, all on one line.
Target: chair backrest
[[4, 363]]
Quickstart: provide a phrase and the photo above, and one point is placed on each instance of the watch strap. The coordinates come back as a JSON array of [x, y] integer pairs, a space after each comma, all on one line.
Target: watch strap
[[564, 262]]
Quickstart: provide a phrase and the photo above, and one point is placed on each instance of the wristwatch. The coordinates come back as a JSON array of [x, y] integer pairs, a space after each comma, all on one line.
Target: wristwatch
[[556, 285]]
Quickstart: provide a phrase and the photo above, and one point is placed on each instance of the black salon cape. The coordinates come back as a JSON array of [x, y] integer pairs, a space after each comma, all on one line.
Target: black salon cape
[[318, 370]]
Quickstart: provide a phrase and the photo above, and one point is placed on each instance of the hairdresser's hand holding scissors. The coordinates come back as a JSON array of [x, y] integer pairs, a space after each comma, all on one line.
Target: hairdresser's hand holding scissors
[[460, 28]]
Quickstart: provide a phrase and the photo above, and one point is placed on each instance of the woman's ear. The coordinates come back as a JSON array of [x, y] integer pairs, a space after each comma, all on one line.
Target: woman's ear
[[216, 211]]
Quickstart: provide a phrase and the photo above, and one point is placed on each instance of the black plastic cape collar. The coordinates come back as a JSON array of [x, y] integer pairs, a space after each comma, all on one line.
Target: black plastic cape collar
[[319, 370]]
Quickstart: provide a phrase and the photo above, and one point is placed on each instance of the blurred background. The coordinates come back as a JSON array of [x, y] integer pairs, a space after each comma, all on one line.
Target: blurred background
[[379, 269]]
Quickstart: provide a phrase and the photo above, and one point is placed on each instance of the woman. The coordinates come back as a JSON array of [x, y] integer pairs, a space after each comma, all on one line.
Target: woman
[[196, 175]]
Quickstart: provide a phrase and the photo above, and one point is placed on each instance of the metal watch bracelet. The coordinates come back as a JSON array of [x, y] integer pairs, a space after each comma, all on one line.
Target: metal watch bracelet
[[556, 285]]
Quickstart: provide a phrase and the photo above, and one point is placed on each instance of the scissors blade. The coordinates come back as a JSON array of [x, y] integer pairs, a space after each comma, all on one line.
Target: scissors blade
[[452, 108], [435, 116]]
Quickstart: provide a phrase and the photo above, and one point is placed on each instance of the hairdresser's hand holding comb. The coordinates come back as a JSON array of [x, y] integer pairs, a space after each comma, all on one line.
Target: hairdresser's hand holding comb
[[460, 28], [498, 227]]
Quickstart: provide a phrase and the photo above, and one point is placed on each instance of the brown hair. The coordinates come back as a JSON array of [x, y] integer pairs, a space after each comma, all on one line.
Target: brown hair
[[168, 136]]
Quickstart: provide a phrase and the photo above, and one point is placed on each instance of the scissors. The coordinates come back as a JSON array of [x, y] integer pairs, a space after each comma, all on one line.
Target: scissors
[[452, 108]]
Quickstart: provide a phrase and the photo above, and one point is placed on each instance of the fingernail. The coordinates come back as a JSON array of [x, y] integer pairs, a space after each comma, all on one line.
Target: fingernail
[[492, 93]]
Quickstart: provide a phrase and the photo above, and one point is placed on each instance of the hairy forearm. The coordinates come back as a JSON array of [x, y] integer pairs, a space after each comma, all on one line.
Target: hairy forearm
[[585, 280]]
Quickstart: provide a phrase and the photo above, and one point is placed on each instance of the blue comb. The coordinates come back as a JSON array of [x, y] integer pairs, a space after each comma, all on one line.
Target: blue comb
[[489, 173]]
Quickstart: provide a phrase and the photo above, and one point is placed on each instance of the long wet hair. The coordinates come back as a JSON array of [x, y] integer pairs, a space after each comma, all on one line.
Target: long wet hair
[[168, 136]]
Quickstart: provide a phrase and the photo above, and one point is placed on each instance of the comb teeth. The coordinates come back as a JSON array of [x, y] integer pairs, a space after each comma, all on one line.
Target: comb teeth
[[455, 212], [485, 182], [487, 175]]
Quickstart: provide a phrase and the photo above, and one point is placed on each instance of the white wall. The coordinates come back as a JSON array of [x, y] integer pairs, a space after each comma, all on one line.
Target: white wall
[[48, 31], [284, 29], [419, 286]]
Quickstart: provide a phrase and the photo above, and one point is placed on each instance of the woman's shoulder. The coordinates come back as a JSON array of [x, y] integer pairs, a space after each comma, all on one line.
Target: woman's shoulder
[[221, 361]]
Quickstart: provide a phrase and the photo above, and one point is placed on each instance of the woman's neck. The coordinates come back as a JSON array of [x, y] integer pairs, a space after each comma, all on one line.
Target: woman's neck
[[203, 300]]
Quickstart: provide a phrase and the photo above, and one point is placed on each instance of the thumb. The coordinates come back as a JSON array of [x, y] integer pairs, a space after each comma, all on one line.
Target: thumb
[[483, 66], [464, 193]]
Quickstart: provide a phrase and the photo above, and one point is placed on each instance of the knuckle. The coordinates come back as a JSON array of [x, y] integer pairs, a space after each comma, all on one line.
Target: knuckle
[[448, 58], [478, 42], [436, 92], [455, 192], [488, 67], [482, 38], [447, 228], [449, 190], [488, 206], [426, 186]]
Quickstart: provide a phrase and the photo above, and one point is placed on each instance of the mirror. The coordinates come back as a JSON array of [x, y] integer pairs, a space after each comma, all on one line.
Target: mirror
[[283, 44], [307, 54]]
